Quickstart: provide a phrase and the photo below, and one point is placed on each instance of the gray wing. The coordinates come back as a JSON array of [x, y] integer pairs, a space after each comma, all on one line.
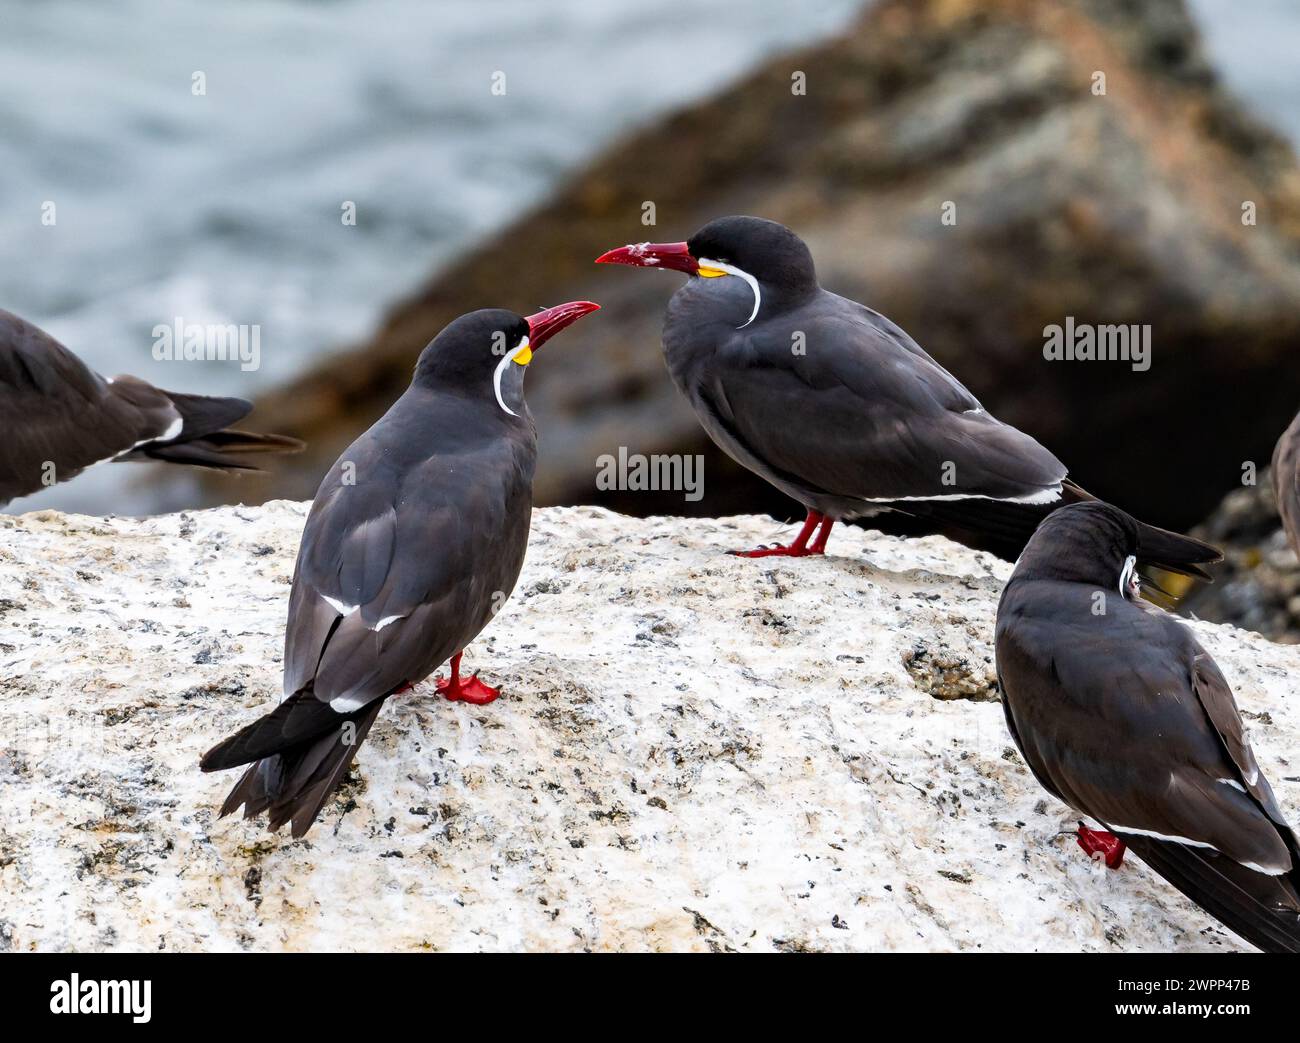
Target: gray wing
[[1087, 702], [65, 416], [401, 570], [862, 412], [1216, 698]]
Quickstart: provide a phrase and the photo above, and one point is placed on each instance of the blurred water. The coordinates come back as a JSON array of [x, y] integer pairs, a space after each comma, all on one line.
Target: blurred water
[[225, 208], [1255, 45]]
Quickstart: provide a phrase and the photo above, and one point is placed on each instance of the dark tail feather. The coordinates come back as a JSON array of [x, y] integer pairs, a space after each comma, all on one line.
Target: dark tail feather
[[206, 438], [1263, 909], [300, 753], [311, 778], [995, 526], [1003, 528], [297, 720], [204, 414], [256, 788], [226, 450]]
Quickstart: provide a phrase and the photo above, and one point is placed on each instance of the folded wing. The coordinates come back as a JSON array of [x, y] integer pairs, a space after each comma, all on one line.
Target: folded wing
[[861, 412]]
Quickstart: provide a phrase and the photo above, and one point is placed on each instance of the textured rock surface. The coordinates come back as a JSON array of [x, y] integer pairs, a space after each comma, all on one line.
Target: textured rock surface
[[1257, 585], [1117, 209], [693, 752]]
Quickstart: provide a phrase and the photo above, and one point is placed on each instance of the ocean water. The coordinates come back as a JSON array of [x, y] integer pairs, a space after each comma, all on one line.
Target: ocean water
[[224, 207], [1255, 45]]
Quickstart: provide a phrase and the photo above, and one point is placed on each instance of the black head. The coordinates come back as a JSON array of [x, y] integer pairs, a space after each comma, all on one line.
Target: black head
[[468, 350], [1090, 542], [768, 251], [483, 353], [769, 256]]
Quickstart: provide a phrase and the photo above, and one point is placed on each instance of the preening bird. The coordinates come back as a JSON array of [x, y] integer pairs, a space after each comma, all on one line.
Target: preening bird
[[413, 543], [1122, 715], [840, 409], [64, 417], [1286, 482]]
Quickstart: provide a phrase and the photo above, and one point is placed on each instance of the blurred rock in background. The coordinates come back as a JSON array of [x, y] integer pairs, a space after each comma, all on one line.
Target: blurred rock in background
[[1122, 208]]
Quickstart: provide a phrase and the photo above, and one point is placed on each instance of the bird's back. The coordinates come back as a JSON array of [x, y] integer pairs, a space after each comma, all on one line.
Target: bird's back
[[833, 403], [424, 518]]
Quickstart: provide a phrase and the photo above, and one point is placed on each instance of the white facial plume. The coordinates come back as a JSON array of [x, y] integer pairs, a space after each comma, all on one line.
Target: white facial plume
[[501, 370], [731, 269], [1129, 581]]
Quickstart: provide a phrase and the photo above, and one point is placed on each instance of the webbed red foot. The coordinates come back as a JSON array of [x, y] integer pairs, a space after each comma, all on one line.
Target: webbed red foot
[[1098, 843], [778, 550], [800, 548], [465, 689]]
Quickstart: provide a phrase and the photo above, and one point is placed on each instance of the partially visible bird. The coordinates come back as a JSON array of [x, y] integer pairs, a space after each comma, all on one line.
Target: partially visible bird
[[1123, 716], [1286, 481], [841, 410], [414, 542], [63, 417]]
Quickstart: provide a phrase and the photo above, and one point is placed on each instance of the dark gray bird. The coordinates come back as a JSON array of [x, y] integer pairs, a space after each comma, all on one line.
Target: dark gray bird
[[64, 417], [840, 409], [413, 544], [1286, 482], [1123, 716]]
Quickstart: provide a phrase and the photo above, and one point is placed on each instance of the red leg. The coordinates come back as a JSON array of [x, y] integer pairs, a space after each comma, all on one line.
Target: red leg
[[1098, 842], [799, 548], [467, 690], [823, 534]]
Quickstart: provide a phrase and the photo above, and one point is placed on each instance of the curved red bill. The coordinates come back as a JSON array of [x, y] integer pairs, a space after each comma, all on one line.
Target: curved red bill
[[653, 255], [548, 322]]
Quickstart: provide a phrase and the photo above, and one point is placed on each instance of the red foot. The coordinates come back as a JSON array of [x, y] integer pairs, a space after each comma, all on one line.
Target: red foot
[[1098, 842], [799, 548], [778, 550], [465, 689]]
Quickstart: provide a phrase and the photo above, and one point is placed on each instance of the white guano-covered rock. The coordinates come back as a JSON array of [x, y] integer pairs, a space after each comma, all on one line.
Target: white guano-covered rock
[[693, 751]]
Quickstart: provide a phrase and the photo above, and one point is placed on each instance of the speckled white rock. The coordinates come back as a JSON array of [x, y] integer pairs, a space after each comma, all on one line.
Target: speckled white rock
[[694, 751]]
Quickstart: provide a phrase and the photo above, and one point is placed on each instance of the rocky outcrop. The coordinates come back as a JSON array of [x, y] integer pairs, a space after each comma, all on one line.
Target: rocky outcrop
[[1257, 586], [1115, 209], [693, 752]]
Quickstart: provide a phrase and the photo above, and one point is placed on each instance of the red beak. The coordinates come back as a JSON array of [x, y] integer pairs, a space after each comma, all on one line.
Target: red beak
[[547, 323], [653, 255]]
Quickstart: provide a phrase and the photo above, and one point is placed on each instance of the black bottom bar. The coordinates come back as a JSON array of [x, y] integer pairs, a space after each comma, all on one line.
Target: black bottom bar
[[255, 992]]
